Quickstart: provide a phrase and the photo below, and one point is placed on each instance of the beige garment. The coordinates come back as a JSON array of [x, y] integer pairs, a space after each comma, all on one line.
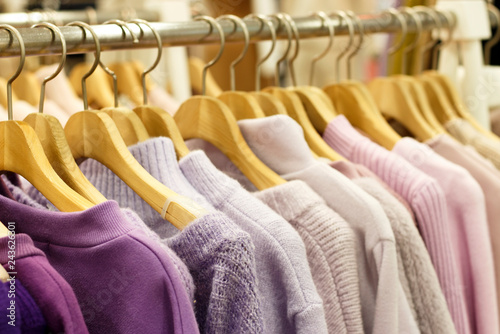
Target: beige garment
[[495, 121], [465, 133]]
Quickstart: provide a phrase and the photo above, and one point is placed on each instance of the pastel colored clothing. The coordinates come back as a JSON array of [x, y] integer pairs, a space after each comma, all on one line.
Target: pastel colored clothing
[[426, 198]]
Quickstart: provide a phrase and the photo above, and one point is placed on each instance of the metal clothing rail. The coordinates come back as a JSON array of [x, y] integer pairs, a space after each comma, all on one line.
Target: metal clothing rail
[[63, 17], [39, 41]]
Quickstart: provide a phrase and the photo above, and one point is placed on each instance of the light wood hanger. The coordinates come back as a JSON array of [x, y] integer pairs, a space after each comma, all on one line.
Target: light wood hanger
[[94, 135], [128, 123], [293, 104], [157, 121], [196, 66], [352, 98], [22, 153], [241, 104], [269, 103], [129, 83], [51, 134], [4, 232], [210, 119], [100, 92], [393, 94]]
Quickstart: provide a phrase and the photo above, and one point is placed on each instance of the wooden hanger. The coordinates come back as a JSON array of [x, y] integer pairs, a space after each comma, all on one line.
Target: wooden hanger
[[353, 99], [210, 119], [100, 92], [157, 121], [22, 153], [128, 123], [52, 138], [195, 73], [129, 83], [94, 135], [241, 104]]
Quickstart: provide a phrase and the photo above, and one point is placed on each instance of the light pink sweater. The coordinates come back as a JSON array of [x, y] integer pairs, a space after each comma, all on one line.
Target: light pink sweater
[[426, 197]]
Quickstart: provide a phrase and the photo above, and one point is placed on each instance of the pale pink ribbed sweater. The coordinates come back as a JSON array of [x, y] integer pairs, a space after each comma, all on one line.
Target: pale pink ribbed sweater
[[426, 197]]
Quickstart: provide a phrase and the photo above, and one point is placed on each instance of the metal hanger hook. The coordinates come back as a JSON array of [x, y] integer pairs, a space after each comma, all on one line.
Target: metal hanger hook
[[158, 56], [325, 20], [14, 32], [354, 18], [281, 20], [435, 17], [246, 35], [263, 21], [418, 23], [404, 30], [296, 36], [97, 58], [450, 22], [106, 69], [55, 31], [213, 23], [350, 26]]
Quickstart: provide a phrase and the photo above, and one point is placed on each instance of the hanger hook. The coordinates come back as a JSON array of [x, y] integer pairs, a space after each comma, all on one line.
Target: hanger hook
[[281, 20], [106, 69], [158, 56], [418, 23], [237, 22], [350, 26], [325, 20], [295, 32], [451, 22], [14, 32], [404, 30], [494, 40], [55, 31], [263, 20], [435, 17], [213, 23], [97, 57], [356, 49]]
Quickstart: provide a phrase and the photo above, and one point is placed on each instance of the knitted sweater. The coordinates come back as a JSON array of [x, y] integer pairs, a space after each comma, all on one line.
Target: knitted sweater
[[50, 291], [465, 133], [101, 243], [469, 231], [283, 149], [420, 280], [330, 248], [219, 255], [424, 195], [489, 180], [288, 296], [18, 311]]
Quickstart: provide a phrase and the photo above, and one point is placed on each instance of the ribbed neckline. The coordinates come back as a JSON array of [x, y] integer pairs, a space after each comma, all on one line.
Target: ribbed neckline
[[295, 197], [202, 172], [90, 227], [24, 247]]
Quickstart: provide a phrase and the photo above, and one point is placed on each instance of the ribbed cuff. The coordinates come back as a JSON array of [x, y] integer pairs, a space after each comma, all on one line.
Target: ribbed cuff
[[342, 137], [23, 247]]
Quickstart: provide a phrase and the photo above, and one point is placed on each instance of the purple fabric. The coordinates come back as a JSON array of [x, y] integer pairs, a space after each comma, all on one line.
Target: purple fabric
[[51, 292], [124, 282], [19, 312]]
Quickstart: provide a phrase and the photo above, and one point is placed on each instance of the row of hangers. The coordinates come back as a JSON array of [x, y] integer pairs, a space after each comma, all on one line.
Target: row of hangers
[[44, 153]]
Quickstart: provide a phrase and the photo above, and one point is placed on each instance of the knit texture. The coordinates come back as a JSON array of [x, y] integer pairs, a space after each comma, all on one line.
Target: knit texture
[[289, 299], [219, 255], [426, 198], [279, 142], [465, 133], [469, 231], [489, 180], [24, 315], [54, 296], [330, 244], [101, 243], [415, 265]]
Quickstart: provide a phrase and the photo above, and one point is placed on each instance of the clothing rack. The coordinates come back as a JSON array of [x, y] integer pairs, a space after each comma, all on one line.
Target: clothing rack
[[63, 17], [39, 41]]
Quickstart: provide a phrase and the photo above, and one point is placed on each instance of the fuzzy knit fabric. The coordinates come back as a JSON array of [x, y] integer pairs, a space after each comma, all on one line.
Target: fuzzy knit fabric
[[220, 256], [100, 242], [279, 142], [426, 197], [289, 299], [469, 231], [465, 133], [49, 290], [489, 180], [415, 265], [330, 248]]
